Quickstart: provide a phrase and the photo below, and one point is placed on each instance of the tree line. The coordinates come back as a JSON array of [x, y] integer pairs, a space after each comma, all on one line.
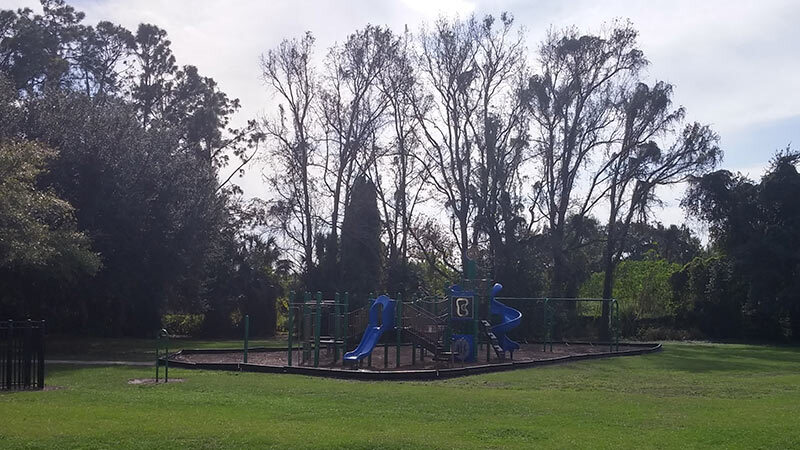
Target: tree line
[[390, 159], [116, 203]]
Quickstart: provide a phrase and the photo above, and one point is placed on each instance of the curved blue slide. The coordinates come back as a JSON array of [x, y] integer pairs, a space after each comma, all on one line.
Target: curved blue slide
[[511, 319], [374, 331]]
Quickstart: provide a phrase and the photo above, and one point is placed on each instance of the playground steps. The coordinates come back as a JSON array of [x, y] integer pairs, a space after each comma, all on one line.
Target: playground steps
[[328, 340], [493, 341], [443, 356], [437, 348]]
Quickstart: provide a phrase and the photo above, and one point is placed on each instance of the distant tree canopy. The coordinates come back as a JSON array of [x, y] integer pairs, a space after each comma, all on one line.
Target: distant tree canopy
[[131, 215], [756, 227]]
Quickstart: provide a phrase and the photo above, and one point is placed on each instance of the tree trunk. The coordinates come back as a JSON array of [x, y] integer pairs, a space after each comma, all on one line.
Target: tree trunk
[[558, 278], [309, 237], [608, 287]]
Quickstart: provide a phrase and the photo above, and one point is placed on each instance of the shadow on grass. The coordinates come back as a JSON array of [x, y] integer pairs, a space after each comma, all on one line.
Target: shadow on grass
[[710, 357]]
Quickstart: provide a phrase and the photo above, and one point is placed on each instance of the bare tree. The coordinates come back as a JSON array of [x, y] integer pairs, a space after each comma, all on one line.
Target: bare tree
[[474, 126], [352, 105], [447, 115], [500, 134], [288, 72], [574, 119], [405, 188]]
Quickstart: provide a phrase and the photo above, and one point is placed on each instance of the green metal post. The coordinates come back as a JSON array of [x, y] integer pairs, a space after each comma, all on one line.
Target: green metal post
[[471, 269], [476, 307], [246, 335], [306, 327], [551, 324], [616, 322], [337, 310], [317, 327], [165, 336], [447, 329], [610, 324], [158, 349], [386, 344], [546, 325], [398, 320], [346, 324], [371, 302], [290, 326]]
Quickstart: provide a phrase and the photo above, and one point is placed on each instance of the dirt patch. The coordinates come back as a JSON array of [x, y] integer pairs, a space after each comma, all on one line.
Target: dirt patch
[[53, 388], [148, 381]]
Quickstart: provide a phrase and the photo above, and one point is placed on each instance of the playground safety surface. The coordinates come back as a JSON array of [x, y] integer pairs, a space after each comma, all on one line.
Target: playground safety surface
[[384, 361]]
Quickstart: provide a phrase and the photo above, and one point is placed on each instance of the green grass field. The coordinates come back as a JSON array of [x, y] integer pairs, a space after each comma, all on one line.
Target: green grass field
[[688, 396]]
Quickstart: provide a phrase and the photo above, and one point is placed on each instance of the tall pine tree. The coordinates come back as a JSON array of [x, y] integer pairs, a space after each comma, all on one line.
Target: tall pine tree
[[361, 243]]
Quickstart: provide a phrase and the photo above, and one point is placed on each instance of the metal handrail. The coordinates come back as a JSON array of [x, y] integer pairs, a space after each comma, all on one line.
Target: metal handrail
[[423, 323]]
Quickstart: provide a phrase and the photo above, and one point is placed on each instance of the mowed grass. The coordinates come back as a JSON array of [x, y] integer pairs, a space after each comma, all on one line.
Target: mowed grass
[[127, 349], [688, 396]]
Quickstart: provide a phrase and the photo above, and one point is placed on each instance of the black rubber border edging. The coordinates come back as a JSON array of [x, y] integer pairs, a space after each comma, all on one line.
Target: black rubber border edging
[[398, 375]]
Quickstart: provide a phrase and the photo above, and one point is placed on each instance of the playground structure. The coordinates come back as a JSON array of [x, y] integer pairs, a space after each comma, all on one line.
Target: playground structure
[[470, 329], [468, 324]]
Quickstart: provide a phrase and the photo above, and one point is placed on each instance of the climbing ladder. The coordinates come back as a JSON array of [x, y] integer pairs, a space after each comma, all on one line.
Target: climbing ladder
[[493, 341]]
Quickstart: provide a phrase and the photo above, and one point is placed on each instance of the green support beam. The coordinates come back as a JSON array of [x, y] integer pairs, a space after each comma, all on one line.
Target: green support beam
[[317, 327], [398, 320], [371, 301], [337, 310], [346, 324], [246, 335], [290, 327]]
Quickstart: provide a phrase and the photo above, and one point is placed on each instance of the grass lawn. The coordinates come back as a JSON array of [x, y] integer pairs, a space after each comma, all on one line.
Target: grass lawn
[[688, 396], [127, 349]]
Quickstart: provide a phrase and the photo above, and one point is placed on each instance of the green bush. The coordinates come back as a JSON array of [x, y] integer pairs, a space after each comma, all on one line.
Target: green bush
[[642, 289], [183, 324]]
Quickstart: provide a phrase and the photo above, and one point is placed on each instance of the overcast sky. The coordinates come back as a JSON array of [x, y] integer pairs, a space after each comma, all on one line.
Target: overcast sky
[[735, 65]]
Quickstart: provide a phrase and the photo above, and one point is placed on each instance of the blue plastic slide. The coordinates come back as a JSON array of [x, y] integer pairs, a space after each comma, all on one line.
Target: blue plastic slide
[[510, 320], [374, 331]]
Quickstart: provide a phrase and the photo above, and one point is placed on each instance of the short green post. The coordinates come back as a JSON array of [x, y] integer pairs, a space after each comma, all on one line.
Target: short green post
[[290, 326], [317, 327], [165, 343], [399, 327], [246, 336]]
